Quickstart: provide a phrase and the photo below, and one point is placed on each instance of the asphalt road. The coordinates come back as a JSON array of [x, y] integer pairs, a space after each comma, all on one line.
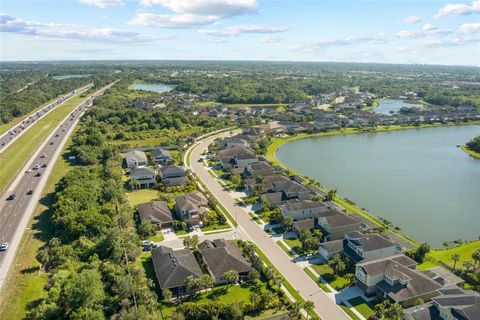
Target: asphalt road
[[15, 213], [325, 306], [11, 135]]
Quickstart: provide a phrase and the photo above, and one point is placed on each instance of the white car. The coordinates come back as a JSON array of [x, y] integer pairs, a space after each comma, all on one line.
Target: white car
[[4, 246]]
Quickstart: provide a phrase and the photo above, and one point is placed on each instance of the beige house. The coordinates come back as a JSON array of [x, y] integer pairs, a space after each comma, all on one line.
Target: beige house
[[191, 207]]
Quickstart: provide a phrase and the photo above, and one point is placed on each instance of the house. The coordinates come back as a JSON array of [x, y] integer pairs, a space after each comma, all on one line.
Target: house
[[266, 184], [302, 209], [142, 177], [191, 207], [330, 248], [368, 247], [452, 303], [303, 225], [173, 176], [259, 169], [272, 199], [236, 157], [292, 189], [397, 279], [173, 267], [135, 158], [155, 212], [233, 142], [161, 156], [221, 256], [335, 224]]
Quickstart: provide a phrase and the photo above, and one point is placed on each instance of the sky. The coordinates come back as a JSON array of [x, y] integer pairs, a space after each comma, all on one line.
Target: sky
[[410, 32]]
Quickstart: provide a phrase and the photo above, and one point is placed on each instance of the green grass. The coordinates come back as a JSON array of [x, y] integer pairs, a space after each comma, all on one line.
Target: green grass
[[316, 279], [158, 237], [215, 226], [141, 196], [254, 217], [226, 213], [362, 306], [349, 312], [26, 283], [295, 244], [324, 270], [472, 153], [427, 264], [445, 255], [19, 152], [284, 248]]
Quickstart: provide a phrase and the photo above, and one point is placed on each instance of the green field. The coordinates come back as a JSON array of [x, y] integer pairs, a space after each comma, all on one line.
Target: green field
[[18, 153], [26, 283]]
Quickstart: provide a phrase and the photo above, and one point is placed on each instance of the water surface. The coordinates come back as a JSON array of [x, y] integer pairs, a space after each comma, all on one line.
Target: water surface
[[70, 76], [416, 178], [389, 106], [154, 87]]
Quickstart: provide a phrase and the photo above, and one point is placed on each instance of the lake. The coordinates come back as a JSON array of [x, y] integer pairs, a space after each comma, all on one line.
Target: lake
[[417, 178], [389, 106], [155, 87], [70, 76]]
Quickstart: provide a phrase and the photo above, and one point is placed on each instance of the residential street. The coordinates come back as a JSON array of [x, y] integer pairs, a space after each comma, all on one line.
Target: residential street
[[325, 306]]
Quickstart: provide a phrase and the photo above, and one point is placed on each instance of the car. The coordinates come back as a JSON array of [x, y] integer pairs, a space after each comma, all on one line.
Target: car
[[28, 171], [38, 174], [43, 156], [44, 165], [4, 246], [36, 167], [147, 243], [29, 192], [51, 143], [200, 160], [56, 135], [12, 197]]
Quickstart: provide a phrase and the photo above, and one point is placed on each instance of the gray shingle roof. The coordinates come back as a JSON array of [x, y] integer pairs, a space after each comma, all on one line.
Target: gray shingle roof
[[340, 219], [172, 267], [332, 246], [191, 201], [222, 256], [159, 152], [155, 211], [135, 155], [295, 205], [370, 242]]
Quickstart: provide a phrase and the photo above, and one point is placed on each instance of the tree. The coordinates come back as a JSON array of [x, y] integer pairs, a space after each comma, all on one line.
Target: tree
[[191, 242], [455, 258], [308, 306], [287, 223], [337, 264], [419, 253], [231, 277], [253, 276], [395, 312], [167, 294], [310, 244], [476, 256], [191, 284], [146, 229], [331, 195], [236, 180], [205, 282]]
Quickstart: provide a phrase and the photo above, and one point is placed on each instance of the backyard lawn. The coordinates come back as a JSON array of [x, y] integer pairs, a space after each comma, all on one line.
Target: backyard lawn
[[326, 273], [465, 252], [141, 196]]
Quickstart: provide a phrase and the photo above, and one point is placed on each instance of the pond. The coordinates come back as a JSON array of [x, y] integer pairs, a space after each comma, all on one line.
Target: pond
[[389, 106], [417, 178], [154, 87], [70, 76]]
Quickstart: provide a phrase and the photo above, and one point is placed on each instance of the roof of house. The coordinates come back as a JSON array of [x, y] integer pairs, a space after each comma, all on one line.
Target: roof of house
[[155, 211], [289, 186], [142, 171], [340, 219], [222, 256], [332, 246], [425, 311], [304, 224], [172, 267], [135, 155], [266, 183], [226, 155], [463, 306], [191, 201], [173, 169], [296, 204], [376, 267], [260, 165], [272, 198], [175, 181], [369, 242], [159, 152]]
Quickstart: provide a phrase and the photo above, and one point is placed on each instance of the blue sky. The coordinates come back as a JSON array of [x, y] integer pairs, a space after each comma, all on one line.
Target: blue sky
[[432, 32]]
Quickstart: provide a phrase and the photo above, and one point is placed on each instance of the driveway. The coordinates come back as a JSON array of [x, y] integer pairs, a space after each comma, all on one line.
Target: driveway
[[249, 229]]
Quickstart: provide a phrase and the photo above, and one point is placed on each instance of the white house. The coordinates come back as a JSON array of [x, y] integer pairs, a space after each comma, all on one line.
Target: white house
[[135, 158]]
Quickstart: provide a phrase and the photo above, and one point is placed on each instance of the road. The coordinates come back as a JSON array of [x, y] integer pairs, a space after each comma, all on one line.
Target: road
[[325, 307], [11, 135], [27, 187]]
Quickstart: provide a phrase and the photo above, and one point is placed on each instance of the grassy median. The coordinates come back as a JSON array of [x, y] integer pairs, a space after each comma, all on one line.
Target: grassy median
[[19, 152], [26, 283]]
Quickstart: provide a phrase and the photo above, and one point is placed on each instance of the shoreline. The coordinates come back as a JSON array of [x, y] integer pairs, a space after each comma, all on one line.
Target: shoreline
[[278, 142], [471, 153]]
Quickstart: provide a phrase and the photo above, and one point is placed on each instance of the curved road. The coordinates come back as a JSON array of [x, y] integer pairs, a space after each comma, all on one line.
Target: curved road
[[15, 211], [325, 306]]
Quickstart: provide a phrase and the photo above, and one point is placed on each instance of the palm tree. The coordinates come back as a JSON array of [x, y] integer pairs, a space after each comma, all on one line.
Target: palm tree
[[455, 257]]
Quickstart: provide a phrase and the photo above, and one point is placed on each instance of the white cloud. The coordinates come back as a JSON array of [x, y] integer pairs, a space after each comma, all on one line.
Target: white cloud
[[271, 39], [469, 28], [411, 20], [190, 13], [104, 3], [458, 9], [237, 30], [429, 27], [457, 41], [9, 24]]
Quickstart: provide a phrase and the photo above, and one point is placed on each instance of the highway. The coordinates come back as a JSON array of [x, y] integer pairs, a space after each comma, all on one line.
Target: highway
[[325, 306], [15, 211], [11, 135]]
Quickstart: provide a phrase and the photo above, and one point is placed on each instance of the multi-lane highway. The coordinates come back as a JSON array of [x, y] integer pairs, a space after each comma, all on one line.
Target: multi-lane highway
[[10, 136], [17, 205]]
